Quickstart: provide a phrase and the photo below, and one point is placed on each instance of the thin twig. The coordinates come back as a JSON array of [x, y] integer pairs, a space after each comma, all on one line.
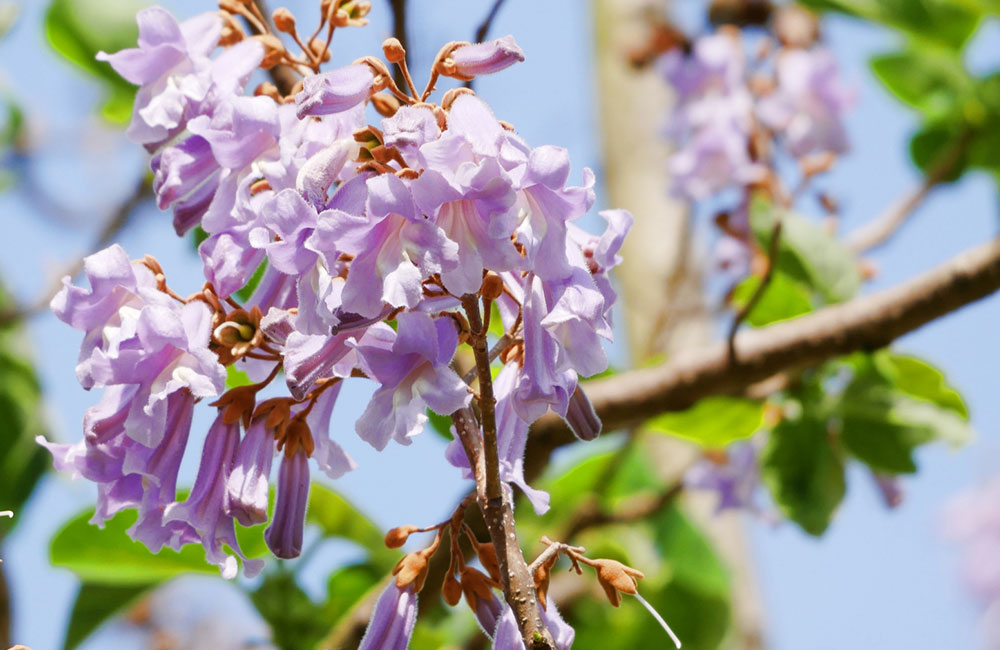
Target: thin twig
[[741, 315], [399, 31], [284, 76], [553, 548], [487, 402], [505, 342], [880, 229]]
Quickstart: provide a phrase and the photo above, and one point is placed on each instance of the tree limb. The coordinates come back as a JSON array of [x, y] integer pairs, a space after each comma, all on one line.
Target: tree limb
[[864, 323]]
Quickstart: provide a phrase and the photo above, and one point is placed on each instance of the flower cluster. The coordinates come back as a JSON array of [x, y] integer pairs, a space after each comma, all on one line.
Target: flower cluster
[[972, 519], [738, 118], [371, 247]]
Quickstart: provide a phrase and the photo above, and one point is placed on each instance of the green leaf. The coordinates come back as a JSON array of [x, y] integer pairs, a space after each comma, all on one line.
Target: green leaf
[[947, 23], [336, 517], [926, 79], [236, 378], [804, 472], [296, 622], [347, 587], [921, 380], [713, 421], [895, 404], [934, 143], [94, 605], [783, 299], [22, 460], [79, 29], [807, 252], [110, 557], [247, 290], [440, 424]]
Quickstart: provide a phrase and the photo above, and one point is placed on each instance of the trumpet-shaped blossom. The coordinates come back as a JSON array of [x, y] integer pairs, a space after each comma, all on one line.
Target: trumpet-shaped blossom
[[393, 619]]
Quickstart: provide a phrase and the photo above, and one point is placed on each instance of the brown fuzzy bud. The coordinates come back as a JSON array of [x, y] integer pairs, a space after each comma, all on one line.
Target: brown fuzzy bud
[[412, 569], [476, 586], [615, 577], [237, 404], [739, 12], [319, 49], [795, 26], [393, 50], [274, 50], [267, 89], [284, 21], [231, 34], [492, 287], [452, 94], [451, 590], [488, 557], [230, 6], [385, 104], [541, 579], [398, 535]]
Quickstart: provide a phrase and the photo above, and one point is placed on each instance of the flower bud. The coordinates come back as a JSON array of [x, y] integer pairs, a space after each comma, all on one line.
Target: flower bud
[[412, 569], [385, 104], [581, 416], [335, 91], [398, 535], [615, 577], [492, 287], [488, 557], [320, 49], [469, 61], [393, 50], [284, 21], [267, 89], [274, 50], [451, 590]]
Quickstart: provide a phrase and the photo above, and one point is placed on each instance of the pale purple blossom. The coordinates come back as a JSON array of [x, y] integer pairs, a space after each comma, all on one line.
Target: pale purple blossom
[[335, 91], [392, 621], [487, 57]]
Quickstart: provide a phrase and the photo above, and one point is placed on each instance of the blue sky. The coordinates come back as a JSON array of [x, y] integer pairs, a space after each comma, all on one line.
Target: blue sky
[[877, 579]]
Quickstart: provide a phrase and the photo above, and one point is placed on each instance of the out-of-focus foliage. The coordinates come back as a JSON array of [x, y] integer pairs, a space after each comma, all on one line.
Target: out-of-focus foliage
[[22, 461], [79, 29], [959, 113], [713, 421]]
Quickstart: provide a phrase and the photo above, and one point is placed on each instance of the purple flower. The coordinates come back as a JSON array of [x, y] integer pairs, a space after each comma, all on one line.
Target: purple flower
[[717, 157], [809, 105], [204, 508], [393, 619], [284, 535], [335, 91], [410, 128], [735, 479], [412, 368], [469, 61], [508, 637], [246, 489], [177, 79], [715, 65]]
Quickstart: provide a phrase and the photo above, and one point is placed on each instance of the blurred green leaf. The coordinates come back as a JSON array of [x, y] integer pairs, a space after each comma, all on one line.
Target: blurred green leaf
[[79, 29], [804, 472], [807, 252], [247, 290], [236, 377], [346, 587], [926, 79], [440, 424], [949, 23], [336, 517], [297, 623], [894, 404], [110, 557], [94, 605], [923, 381], [934, 143], [22, 460], [783, 298], [713, 421], [13, 125]]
